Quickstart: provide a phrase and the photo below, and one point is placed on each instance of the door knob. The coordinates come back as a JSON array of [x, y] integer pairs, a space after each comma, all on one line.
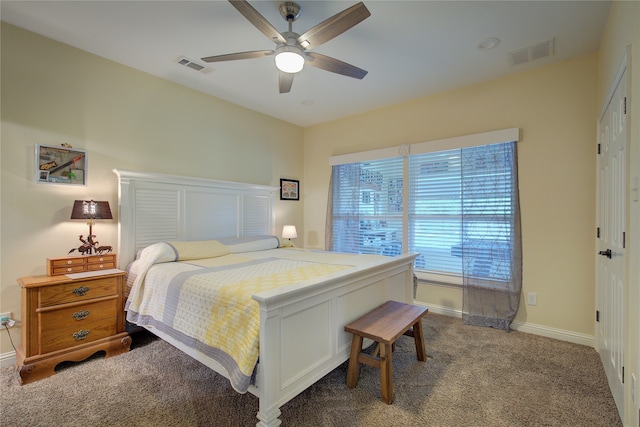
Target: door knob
[[606, 253]]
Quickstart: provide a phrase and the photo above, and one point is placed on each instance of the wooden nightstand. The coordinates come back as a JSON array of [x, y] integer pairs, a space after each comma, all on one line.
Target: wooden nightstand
[[66, 319]]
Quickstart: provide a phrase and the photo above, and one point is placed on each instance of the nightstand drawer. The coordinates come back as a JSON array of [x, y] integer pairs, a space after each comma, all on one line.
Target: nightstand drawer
[[77, 316], [101, 259], [67, 269], [77, 291], [101, 265], [66, 262], [66, 265], [77, 334]]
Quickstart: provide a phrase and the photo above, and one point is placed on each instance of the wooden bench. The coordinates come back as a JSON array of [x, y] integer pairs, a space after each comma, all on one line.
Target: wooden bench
[[384, 325]]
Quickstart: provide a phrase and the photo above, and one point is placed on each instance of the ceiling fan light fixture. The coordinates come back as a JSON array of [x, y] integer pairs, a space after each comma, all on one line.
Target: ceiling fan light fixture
[[289, 59]]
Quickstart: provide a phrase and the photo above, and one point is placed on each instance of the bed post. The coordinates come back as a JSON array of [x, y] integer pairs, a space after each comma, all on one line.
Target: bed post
[[268, 380], [126, 246]]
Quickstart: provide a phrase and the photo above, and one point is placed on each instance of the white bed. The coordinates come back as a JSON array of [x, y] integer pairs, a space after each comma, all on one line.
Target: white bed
[[301, 336]]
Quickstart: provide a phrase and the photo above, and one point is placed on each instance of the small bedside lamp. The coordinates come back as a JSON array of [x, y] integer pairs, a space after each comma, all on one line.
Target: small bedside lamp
[[289, 232], [89, 210]]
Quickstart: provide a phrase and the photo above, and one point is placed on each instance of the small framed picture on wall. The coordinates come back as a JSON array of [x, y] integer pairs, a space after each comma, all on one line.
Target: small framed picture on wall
[[60, 165], [289, 189]]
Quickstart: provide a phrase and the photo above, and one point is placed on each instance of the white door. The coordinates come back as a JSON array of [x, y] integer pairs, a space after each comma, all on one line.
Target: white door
[[610, 260]]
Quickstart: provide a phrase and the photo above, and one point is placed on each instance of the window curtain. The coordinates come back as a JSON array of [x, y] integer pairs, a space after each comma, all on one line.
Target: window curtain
[[328, 227], [491, 259]]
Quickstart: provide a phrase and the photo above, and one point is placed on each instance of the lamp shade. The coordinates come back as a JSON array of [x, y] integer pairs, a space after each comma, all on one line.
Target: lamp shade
[[88, 209], [289, 232]]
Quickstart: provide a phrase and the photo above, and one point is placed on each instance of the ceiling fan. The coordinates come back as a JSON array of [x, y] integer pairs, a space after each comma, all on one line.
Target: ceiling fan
[[291, 52]]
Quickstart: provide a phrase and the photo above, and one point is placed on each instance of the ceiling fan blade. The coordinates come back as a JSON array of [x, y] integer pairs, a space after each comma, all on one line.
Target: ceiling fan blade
[[239, 55], [334, 26], [285, 80], [328, 63], [258, 21]]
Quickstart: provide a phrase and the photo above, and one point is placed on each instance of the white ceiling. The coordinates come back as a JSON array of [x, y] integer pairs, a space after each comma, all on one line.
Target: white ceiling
[[411, 49]]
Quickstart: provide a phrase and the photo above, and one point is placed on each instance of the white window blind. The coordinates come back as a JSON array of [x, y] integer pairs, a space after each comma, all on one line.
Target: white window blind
[[368, 207], [435, 211]]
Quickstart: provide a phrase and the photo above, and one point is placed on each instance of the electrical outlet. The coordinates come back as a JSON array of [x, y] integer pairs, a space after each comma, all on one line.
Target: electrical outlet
[[532, 298], [5, 318]]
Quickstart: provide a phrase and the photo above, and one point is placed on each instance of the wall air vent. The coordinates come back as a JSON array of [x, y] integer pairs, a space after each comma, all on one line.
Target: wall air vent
[[530, 53], [193, 65]]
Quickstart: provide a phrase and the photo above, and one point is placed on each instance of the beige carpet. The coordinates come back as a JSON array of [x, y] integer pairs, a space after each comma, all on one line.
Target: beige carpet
[[473, 377]]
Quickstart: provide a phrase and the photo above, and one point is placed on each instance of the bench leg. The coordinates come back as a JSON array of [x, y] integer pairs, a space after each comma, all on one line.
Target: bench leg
[[386, 373], [353, 371], [418, 336]]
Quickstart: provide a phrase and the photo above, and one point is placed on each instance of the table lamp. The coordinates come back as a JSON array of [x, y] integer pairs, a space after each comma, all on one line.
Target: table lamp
[[289, 232], [90, 211]]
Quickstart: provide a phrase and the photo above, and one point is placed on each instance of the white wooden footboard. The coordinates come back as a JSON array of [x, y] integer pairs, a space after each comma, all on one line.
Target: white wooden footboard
[[302, 334]]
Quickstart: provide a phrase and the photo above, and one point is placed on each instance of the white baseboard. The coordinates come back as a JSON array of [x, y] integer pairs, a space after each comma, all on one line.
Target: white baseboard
[[8, 359], [559, 334], [440, 310], [530, 328]]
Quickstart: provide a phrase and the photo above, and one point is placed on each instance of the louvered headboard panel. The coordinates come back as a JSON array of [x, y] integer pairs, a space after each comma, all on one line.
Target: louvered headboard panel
[[157, 207]]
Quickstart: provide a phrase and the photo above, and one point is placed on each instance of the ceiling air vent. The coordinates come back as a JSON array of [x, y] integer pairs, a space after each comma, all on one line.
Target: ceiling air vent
[[192, 64], [530, 53]]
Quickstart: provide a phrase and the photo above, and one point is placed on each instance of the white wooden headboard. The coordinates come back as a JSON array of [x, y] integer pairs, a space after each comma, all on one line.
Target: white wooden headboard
[[156, 207]]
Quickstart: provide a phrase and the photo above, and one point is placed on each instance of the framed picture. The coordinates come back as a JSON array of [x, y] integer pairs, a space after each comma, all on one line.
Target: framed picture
[[289, 189], [60, 165]]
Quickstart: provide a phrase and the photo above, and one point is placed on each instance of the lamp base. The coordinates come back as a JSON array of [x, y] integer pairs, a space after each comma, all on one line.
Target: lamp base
[[89, 245]]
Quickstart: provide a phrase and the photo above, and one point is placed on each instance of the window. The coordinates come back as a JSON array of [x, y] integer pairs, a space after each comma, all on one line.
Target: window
[[367, 207], [455, 201], [444, 187]]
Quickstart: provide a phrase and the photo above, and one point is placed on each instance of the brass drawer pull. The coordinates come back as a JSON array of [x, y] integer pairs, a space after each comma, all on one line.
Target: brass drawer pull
[[81, 315], [81, 291], [81, 334]]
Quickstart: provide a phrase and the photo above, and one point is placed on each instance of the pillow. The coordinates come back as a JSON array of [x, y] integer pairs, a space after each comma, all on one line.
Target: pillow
[[250, 243], [199, 249]]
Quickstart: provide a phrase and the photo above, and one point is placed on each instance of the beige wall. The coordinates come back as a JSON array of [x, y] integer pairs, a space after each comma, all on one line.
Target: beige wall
[[555, 108], [53, 94], [622, 34]]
